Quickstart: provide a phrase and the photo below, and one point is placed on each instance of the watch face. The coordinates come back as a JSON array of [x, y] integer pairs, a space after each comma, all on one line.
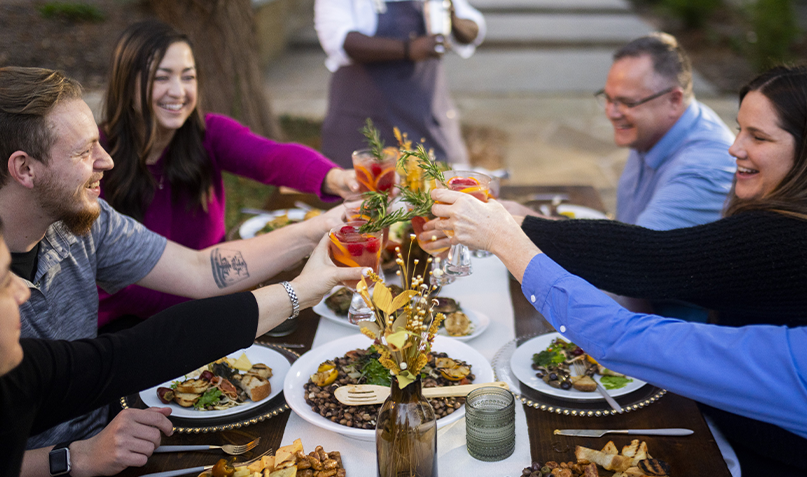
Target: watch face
[[59, 461]]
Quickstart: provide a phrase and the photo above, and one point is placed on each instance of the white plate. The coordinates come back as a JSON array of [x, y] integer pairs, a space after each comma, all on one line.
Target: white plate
[[479, 320], [304, 367], [257, 354], [579, 212], [252, 225], [521, 364]]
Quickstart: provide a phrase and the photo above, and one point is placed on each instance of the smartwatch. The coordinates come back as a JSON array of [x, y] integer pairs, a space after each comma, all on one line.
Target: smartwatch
[[59, 459]]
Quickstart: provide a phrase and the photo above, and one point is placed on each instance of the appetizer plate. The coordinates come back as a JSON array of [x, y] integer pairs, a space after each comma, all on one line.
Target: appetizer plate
[[579, 212], [479, 320], [252, 225], [256, 354], [521, 364], [304, 367]]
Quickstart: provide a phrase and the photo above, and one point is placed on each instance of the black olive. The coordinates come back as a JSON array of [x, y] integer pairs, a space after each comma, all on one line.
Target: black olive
[[541, 372], [566, 384], [526, 471], [553, 376], [536, 466]]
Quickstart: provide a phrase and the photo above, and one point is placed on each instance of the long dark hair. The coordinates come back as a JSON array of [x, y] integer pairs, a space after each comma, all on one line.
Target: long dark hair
[[130, 133], [786, 89]]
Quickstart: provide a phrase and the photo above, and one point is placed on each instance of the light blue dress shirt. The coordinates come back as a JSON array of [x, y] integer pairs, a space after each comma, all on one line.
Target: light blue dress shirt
[[757, 371], [684, 179]]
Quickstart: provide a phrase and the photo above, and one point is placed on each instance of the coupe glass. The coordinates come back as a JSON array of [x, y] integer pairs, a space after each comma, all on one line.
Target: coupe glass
[[439, 276], [458, 262], [375, 175], [350, 248]]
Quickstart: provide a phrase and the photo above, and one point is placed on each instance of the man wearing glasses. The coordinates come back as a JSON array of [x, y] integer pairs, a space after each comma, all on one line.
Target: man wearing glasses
[[679, 170]]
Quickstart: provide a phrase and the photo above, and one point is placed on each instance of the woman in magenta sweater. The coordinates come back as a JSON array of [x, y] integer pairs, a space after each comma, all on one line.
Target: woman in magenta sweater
[[169, 156]]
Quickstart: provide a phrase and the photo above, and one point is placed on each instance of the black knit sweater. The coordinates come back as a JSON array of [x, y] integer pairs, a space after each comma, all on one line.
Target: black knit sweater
[[751, 268]]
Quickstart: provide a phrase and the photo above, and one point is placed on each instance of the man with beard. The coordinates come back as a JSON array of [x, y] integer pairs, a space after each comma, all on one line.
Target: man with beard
[[64, 241]]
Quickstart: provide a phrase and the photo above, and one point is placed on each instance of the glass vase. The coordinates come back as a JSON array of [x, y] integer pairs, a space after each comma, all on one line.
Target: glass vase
[[406, 434]]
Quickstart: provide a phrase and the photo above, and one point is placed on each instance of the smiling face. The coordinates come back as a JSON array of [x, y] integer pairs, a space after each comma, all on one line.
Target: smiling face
[[67, 188], [13, 293], [631, 79], [765, 152], [173, 94]]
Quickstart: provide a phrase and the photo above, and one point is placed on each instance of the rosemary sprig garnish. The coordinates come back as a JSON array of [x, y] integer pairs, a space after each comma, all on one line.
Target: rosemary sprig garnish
[[420, 201], [384, 221], [374, 140], [430, 168]]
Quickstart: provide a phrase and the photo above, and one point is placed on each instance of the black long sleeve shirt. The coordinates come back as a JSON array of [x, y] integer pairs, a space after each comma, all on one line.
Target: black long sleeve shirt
[[58, 380]]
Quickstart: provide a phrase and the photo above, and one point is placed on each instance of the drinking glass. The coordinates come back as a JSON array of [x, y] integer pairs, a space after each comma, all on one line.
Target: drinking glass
[[438, 278], [350, 248], [493, 193], [477, 185], [374, 175], [490, 424]]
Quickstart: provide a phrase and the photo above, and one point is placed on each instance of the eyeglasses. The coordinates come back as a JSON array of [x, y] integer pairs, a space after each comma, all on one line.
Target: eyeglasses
[[605, 100]]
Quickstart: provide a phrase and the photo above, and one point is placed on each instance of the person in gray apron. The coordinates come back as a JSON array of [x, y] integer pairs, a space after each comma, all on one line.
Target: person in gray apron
[[397, 79]]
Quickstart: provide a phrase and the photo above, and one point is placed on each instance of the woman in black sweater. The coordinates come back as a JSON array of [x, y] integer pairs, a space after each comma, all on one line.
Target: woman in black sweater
[[43, 383]]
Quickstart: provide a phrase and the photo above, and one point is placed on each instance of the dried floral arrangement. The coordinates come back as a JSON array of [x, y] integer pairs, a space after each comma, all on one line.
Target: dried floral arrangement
[[403, 327]]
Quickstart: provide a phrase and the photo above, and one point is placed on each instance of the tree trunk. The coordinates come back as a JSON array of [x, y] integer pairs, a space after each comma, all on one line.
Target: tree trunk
[[226, 56]]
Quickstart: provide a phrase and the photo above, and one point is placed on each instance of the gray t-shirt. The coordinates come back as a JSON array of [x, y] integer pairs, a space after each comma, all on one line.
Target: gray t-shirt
[[117, 252]]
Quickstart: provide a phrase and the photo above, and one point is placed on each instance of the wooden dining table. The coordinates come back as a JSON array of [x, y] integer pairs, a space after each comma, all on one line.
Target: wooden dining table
[[697, 454]]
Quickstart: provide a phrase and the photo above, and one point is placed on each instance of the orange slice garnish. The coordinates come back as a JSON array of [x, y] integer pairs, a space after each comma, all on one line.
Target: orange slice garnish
[[343, 258]]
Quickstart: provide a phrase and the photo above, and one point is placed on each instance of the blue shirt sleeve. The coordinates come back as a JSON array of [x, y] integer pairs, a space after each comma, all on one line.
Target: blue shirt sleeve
[[757, 371]]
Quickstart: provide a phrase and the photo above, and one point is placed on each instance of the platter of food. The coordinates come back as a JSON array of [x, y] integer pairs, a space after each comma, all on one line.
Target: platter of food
[[263, 223], [461, 323], [236, 384], [545, 363], [310, 401]]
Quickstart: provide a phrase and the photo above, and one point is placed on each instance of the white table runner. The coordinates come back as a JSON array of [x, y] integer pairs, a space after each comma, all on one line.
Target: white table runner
[[487, 291]]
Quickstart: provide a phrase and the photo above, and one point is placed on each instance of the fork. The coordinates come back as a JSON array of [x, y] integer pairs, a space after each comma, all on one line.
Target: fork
[[192, 470], [580, 369], [363, 394], [227, 448]]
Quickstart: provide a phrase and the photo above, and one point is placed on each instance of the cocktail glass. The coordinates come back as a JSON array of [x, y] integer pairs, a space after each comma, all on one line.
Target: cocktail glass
[[493, 193], [477, 185], [439, 275], [374, 175], [350, 248]]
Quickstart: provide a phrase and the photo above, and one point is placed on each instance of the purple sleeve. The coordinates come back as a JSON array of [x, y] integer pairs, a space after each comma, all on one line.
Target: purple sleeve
[[236, 149]]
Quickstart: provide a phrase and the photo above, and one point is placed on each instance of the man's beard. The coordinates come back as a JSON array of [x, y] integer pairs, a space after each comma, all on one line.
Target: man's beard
[[61, 205]]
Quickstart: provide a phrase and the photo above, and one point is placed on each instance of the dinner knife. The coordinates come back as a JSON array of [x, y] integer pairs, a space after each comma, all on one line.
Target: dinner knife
[[641, 432]]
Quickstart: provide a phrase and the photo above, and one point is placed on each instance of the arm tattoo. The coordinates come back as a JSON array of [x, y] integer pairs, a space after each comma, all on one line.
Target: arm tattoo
[[229, 267]]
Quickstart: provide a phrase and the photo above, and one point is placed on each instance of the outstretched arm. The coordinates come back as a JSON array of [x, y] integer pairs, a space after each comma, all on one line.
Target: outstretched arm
[[233, 266]]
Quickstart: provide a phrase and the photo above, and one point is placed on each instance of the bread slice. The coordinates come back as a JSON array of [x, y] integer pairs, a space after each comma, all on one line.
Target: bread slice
[[261, 370], [194, 386], [256, 387], [616, 463], [584, 384]]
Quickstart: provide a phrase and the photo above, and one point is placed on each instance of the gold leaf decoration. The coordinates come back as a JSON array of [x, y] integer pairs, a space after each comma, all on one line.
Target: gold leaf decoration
[[382, 298]]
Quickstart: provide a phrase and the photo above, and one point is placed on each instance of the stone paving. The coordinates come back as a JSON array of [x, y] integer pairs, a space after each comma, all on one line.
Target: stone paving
[[532, 78]]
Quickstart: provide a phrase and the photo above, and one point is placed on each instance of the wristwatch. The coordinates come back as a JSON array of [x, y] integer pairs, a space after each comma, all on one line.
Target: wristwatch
[[59, 459]]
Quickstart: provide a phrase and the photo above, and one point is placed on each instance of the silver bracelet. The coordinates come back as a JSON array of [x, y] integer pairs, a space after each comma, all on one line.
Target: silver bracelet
[[295, 304]]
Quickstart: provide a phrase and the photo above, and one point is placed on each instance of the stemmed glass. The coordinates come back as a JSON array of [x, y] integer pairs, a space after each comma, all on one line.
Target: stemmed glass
[[439, 276], [478, 185], [350, 248]]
